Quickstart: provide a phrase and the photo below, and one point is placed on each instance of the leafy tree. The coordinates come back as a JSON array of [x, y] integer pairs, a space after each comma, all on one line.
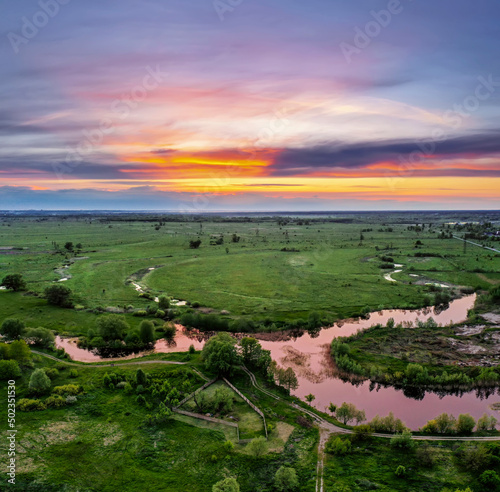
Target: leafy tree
[[465, 424], [362, 432], [14, 282], [147, 331], [403, 440], [40, 337], [39, 382], [445, 423], [195, 244], [332, 408], [257, 447], [310, 398], [164, 302], [251, 350], [338, 446], [68, 246], [12, 328], [170, 330], [58, 295], [112, 327], [20, 352], [486, 422], [9, 369], [286, 479], [226, 485], [490, 480], [219, 353], [288, 379], [140, 378], [348, 412], [474, 456]]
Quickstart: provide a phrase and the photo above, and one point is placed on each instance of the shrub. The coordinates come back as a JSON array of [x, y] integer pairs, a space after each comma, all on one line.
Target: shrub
[[51, 372], [14, 282], [402, 441], [226, 485], [73, 373], [55, 401], [68, 389], [121, 385], [490, 480], [58, 295], [400, 471], [71, 399], [12, 328], [257, 447], [39, 382], [338, 446], [27, 405], [286, 479], [9, 369], [141, 313]]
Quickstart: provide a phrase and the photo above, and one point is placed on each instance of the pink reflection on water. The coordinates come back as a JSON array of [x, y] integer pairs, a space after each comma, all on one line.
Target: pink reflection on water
[[311, 361]]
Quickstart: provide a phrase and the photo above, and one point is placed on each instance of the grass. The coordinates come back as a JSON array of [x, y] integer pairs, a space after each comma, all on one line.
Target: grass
[[103, 443], [372, 466], [331, 271]]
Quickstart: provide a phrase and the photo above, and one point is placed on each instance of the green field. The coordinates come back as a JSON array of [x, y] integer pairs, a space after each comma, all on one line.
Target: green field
[[331, 266]]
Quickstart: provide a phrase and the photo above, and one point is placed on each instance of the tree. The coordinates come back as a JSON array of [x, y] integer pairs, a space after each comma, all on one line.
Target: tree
[[251, 350], [112, 327], [219, 353], [39, 382], [226, 485], [58, 295], [257, 447], [445, 423], [465, 423], [194, 244], [9, 369], [338, 446], [147, 331], [14, 282], [332, 407], [164, 302], [286, 479], [41, 337], [486, 422], [140, 378], [170, 330], [20, 352], [68, 246], [12, 328], [288, 379], [403, 440], [348, 412], [310, 398], [490, 480]]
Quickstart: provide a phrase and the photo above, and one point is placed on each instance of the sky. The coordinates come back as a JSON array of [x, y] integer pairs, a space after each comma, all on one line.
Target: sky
[[249, 105]]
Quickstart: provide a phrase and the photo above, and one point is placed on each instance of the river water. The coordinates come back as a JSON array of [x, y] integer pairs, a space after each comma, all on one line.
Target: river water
[[310, 358]]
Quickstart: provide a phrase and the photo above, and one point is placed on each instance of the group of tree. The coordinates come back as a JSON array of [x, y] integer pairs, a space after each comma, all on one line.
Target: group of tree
[[465, 424], [283, 377], [14, 358], [14, 282], [15, 329], [347, 412]]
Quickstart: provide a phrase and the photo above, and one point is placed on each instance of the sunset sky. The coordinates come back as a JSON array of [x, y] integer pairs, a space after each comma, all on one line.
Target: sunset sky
[[249, 105]]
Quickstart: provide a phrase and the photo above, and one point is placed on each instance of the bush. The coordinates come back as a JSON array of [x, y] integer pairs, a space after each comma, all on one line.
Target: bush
[[338, 446], [71, 399], [163, 303], [68, 389], [257, 447], [73, 373], [465, 424], [55, 401], [14, 282], [51, 372], [112, 327], [141, 313], [402, 441], [9, 369], [58, 295], [39, 382], [40, 337], [490, 480], [226, 485], [400, 471], [12, 328], [121, 385], [27, 405], [286, 479]]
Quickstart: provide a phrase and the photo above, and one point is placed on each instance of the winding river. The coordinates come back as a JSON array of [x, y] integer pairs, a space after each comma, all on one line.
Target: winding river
[[310, 358]]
